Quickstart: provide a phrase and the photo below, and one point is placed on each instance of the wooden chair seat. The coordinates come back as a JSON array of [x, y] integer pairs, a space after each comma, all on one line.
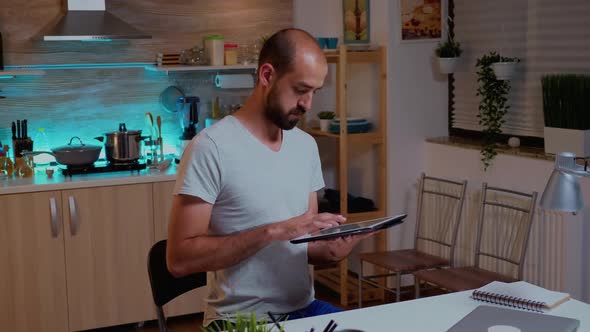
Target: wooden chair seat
[[408, 260], [462, 278]]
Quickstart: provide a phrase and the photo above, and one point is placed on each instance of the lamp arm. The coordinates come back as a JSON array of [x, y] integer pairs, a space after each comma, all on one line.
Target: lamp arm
[[577, 172]]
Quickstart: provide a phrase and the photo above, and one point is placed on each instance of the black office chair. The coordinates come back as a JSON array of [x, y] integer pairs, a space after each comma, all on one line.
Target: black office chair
[[165, 287]]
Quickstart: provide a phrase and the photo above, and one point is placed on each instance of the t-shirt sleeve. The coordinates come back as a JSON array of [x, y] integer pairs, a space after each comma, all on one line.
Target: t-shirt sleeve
[[199, 172], [317, 177]]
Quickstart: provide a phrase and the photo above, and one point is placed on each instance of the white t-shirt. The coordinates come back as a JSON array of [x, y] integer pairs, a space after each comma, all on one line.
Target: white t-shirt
[[250, 185]]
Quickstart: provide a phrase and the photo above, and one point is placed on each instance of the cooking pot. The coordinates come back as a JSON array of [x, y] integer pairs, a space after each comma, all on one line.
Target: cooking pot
[[123, 146], [72, 154]]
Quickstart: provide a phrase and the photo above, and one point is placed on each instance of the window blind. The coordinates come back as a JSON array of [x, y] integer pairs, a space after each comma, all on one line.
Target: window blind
[[548, 36]]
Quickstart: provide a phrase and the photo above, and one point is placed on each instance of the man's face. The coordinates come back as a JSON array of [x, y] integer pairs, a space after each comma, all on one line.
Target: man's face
[[290, 95]]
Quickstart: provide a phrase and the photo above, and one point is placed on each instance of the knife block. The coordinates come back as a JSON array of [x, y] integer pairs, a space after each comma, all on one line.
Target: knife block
[[21, 144]]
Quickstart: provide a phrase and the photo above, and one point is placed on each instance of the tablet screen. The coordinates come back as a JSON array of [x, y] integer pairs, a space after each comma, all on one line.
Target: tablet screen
[[353, 226]]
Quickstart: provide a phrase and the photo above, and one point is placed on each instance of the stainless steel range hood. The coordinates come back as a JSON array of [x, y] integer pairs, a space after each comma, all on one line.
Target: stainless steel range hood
[[88, 20]]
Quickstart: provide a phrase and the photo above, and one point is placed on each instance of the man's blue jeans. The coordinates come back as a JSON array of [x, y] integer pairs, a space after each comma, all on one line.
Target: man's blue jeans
[[316, 308]]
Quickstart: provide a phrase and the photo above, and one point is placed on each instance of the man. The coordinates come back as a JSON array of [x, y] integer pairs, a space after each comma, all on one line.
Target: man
[[247, 185]]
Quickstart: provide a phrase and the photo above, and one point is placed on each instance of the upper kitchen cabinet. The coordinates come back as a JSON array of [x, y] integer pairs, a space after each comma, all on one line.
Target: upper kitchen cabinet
[[108, 235], [32, 263], [192, 301]]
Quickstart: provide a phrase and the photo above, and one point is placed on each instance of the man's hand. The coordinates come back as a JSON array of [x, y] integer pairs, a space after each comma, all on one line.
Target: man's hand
[[303, 224], [333, 250]]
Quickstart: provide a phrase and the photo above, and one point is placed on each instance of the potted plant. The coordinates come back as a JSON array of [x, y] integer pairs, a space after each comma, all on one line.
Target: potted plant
[[505, 68], [566, 102], [448, 54], [493, 105], [244, 323], [325, 120]]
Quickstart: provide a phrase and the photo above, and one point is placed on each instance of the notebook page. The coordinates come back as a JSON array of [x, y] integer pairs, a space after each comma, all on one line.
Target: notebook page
[[527, 291]]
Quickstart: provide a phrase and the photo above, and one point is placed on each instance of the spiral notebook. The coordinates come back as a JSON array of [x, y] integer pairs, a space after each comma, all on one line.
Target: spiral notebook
[[520, 295]]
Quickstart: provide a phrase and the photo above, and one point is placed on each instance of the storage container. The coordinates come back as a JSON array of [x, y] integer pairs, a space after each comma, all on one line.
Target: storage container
[[214, 48]]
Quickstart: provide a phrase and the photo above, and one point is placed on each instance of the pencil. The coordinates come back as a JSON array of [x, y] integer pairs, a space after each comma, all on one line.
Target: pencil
[[272, 317]]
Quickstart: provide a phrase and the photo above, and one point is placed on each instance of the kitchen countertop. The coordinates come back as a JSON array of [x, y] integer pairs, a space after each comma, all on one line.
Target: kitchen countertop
[[40, 181]]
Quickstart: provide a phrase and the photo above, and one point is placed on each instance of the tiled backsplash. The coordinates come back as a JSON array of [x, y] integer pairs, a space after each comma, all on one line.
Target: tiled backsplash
[[74, 103]]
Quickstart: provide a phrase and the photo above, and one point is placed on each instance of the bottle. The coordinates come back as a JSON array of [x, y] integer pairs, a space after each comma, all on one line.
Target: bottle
[[41, 143], [1, 54]]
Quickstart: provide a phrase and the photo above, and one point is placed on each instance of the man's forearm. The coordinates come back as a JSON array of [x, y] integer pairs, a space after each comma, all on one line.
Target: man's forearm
[[211, 253]]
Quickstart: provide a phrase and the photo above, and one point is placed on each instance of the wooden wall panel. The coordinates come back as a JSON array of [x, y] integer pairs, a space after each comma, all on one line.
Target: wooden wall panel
[[88, 102], [174, 25]]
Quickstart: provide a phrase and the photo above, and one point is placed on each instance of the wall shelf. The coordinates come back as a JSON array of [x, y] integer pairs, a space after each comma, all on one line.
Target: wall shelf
[[371, 137], [14, 73], [355, 56], [180, 68]]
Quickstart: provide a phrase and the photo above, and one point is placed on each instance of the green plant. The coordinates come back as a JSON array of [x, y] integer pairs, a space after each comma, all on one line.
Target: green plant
[[566, 101], [448, 49], [326, 115], [493, 105], [243, 323], [507, 59]]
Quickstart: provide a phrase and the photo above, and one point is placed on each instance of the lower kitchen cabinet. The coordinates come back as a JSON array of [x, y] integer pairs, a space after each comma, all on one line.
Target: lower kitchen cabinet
[[192, 301], [76, 259], [32, 263], [108, 235]]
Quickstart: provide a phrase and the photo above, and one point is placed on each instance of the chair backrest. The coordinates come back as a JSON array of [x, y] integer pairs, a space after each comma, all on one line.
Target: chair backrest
[[440, 204], [504, 226], [165, 286]]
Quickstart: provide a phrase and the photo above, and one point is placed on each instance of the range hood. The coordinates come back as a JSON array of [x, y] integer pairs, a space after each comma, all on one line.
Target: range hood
[[88, 20]]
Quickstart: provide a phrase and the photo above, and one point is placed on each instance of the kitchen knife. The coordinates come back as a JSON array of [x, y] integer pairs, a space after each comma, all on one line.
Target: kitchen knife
[[13, 130], [25, 129], [18, 129]]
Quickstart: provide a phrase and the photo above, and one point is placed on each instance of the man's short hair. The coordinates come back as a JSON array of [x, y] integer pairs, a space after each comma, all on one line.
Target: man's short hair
[[279, 50]]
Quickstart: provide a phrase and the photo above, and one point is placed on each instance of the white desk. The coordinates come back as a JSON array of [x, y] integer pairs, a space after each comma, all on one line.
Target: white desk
[[437, 313]]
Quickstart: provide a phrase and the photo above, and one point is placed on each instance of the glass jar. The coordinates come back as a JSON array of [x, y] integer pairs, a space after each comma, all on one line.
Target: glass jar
[[231, 54]]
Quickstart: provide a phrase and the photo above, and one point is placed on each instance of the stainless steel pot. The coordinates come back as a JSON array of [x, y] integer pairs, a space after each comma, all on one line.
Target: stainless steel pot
[[73, 154], [123, 146]]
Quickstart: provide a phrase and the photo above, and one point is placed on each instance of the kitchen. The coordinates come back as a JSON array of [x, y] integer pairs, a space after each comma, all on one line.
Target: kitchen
[[89, 90], [104, 84]]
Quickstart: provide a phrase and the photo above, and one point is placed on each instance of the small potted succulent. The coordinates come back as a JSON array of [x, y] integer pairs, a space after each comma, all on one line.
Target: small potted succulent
[[505, 68], [326, 118], [448, 54]]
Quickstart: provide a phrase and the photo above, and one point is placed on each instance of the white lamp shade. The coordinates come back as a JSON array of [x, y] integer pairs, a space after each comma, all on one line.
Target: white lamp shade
[[562, 193]]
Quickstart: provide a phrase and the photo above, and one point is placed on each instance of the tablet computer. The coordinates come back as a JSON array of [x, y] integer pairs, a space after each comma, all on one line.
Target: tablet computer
[[352, 228]]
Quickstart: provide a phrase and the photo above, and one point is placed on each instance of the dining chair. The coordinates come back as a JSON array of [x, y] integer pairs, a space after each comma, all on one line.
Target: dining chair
[[504, 224], [439, 209], [165, 287]]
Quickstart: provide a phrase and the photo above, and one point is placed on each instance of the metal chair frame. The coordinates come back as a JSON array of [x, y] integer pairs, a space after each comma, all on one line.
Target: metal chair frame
[[482, 218], [369, 279]]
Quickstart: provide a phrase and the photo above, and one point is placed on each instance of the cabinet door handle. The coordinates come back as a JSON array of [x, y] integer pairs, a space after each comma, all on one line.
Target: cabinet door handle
[[55, 220], [74, 217]]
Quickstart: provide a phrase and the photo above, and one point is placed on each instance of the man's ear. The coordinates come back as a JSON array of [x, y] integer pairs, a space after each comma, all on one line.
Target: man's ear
[[266, 73]]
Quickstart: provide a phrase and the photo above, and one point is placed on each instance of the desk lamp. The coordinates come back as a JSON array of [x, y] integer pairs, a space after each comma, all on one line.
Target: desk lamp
[[562, 192]]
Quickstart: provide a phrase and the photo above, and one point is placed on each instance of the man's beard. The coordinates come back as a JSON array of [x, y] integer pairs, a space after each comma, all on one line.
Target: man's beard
[[274, 112]]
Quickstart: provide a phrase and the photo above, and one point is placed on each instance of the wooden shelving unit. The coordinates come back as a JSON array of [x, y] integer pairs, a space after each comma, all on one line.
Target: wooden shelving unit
[[340, 279]]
